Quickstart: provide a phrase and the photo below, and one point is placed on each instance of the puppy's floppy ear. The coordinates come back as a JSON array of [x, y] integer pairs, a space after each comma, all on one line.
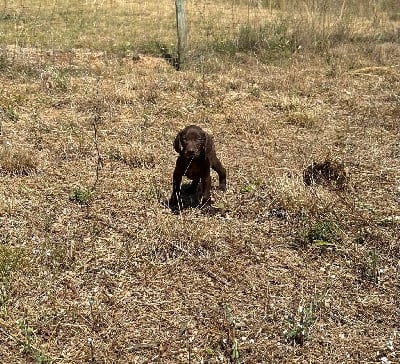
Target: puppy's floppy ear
[[177, 143]]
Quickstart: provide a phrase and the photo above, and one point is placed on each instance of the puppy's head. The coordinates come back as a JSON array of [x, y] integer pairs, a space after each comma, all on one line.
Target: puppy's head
[[191, 142]]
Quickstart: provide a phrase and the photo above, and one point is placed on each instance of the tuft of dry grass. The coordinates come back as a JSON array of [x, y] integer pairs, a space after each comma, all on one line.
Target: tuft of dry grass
[[134, 157], [17, 162]]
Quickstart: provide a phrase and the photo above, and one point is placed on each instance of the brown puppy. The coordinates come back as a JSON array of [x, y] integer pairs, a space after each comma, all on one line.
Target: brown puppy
[[196, 157]]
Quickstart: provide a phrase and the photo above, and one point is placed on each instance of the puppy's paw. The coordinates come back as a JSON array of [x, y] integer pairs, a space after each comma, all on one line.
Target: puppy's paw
[[173, 202], [191, 189], [222, 187]]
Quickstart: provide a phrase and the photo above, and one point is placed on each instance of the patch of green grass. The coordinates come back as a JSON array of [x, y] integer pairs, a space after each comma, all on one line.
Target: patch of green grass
[[255, 91], [247, 188], [269, 42], [323, 233], [272, 36], [7, 16], [252, 186], [95, 25], [10, 114], [81, 196], [28, 347]]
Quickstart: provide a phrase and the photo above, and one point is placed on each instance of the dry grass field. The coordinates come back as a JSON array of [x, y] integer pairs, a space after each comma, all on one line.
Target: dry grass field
[[94, 266]]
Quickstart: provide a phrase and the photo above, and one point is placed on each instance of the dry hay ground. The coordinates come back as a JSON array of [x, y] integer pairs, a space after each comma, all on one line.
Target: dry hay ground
[[278, 272]]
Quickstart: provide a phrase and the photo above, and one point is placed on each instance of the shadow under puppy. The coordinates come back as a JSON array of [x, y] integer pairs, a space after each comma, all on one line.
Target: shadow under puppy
[[196, 157]]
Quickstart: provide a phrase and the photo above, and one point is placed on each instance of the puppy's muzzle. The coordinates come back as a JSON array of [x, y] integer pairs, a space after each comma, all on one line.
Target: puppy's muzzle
[[191, 153]]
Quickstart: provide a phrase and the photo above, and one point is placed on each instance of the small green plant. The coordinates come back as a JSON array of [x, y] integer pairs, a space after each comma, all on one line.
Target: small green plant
[[81, 196], [235, 351], [249, 38], [247, 188], [323, 233], [255, 91], [7, 16], [232, 339], [210, 352], [374, 266], [370, 268], [10, 114], [27, 333], [252, 186], [300, 330], [55, 79], [27, 344]]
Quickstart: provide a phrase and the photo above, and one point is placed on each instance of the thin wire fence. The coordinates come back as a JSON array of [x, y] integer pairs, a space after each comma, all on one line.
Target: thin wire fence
[[266, 28]]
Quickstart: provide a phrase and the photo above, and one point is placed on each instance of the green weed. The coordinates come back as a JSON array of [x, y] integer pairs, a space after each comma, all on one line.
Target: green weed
[[232, 339], [10, 113], [323, 233], [251, 186], [81, 196], [27, 344], [55, 79], [370, 267], [300, 329], [269, 42], [247, 188]]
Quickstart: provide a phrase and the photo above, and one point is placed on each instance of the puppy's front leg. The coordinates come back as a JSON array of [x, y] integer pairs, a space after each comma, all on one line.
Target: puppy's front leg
[[205, 188], [193, 186], [176, 186]]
